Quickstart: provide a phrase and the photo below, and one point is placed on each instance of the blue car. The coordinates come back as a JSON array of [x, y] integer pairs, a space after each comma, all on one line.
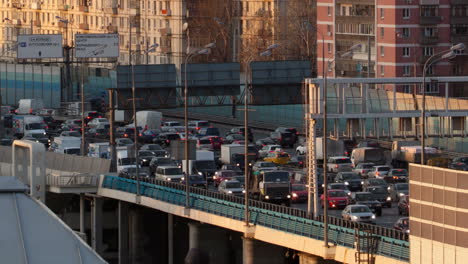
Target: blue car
[[196, 181]]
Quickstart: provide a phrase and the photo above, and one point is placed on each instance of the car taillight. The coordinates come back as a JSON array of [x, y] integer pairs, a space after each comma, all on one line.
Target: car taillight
[[88, 117], [97, 134], [125, 135], [167, 140], [362, 171], [377, 173], [300, 162], [140, 134], [336, 166], [99, 116]]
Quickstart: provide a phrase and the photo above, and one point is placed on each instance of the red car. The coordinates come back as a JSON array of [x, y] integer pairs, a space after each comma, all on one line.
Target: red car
[[223, 175], [215, 142], [299, 193], [336, 199]]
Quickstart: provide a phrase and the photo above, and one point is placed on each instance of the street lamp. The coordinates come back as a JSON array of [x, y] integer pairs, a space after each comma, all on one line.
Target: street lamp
[[150, 49], [446, 54], [190, 54], [248, 83]]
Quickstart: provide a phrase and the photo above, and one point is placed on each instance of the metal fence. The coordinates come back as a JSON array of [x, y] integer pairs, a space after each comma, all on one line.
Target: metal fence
[[392, 243], [82, 180]]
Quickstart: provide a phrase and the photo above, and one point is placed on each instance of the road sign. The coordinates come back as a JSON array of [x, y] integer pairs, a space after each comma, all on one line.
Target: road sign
[[97, 45], [39, 46]]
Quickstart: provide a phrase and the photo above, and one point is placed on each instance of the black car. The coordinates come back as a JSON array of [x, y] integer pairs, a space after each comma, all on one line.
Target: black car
[[101, 133], [293, 132], [38, 137], [164, 139], [241, 130], [374, 182], [196, 181], [260, 143], [208, 131], [366, 198], [160, 161], [148, 135], [297, 161], [349, 145], [460, 163], [52, 124], [283, 138], [350, 179], [381, 194], [145, 157]]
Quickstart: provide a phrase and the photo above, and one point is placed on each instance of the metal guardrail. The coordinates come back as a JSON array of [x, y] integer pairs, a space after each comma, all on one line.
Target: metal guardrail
[[392, 243], [73, 181]]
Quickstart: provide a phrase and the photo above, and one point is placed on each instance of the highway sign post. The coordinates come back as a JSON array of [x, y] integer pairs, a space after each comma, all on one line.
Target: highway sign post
[[96, 45], [39, 46]]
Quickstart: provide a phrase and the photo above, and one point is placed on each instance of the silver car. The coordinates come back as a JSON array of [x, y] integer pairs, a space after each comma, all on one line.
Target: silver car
[[338, 164], [363, 169], [358, 213], [379, 171], [231, 187], [264, 165]]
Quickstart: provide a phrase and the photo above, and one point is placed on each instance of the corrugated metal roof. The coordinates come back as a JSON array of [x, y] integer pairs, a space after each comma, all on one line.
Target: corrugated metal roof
[[31, 233]]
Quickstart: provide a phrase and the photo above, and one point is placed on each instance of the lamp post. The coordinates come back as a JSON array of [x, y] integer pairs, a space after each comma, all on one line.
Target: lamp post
[[150, 49], [248, 83], [67, 49], [446, 54], [189, 54]]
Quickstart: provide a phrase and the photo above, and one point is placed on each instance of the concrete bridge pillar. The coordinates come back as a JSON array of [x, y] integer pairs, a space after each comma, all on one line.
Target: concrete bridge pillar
[[123, 232], [305, 258], [259, 252], [209, 240], [96, 226]]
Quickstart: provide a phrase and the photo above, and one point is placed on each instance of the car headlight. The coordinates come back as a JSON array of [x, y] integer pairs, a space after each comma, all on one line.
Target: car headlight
[[229, 191], [214, 177], [294, 195], [388, 188], [238, 164], [373, 216], [45, 133], [389, 198], [243, 191], [267, 197], [200, 173], [168, 179], [349, 193], [407, 231], [401, 194], [182, 178], [362, 182], [346, 183], [354, 217], [289, 196]]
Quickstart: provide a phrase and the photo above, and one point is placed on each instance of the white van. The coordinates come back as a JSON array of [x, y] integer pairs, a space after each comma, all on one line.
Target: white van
[[169, 173]]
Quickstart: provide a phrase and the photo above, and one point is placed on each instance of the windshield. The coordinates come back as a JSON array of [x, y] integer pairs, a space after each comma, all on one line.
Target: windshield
[[383, 169], [72, 151], [203, 124], [399, 172], [196, 178], [363, 197], [367, 166], [163, 161], [402, 187], [37, 135], [126, 141], [267, 164], [204, 141], [205, 164], [240, 179], [299, 188], [360, 209], [337, 194], [237, 136], [93, 114], [34, 126], [338, 186], [228, 174], [283, 155], [172, 171], [230, 185], [73, 134], [350, 176], [145, 153], [276, 176], [127, 161], [378, 190], [342, 161], [154, 147], [377, 182]]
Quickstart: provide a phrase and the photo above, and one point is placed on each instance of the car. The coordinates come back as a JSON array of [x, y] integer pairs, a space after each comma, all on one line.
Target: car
[[196, 181], [398, 190], [366, 198], [70, 134], [145, 157], [97, 133], [285, 139], [358, 213], [123, 142], [240, 179], [91, 115], [169, 173], [402, 224], [232, 167], [223, 175], [126, 132], [198, 124], [301, 149], [241, 130], [260, 143], [397, 175], [339, 163], [98, 121], [379, 171], [172, 124], [234, 138], [148, 135], [72, 122], [151, 147], [38, 137], [350, 179], [263, 152], [293, 131], [264, 165], [363, 169], [231, 188], [336, 199], [131, 172], [403, 205], [373, 182], [51, 122], [339, 186], [297, 161], [368, 144], [160, 161], [164, 139], [299, 193], [204, 143], [278, 157], [208, 131], [459, 163], [381, 194], [349, 145], [215, 142]]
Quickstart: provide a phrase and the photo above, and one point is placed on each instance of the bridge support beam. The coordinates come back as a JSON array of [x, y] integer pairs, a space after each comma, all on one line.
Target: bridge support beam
[[259, 252], [96, 227], [123, 232], [248, 250], [82, 213], [305, 258], [170, 238], [211, 240]]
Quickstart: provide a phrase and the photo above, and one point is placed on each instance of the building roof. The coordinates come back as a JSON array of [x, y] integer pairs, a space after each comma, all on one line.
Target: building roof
[[31, 233]]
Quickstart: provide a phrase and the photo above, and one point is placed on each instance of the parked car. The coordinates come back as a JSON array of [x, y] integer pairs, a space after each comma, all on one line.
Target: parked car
[[338, 164], [381, 194], [351, 179], [285, 139], [358, 213], [231, 187], [241, 130], [379, 172], [336, 199], [398, 190], [403, 205], [363, 169], [264, 165], [460, 163], [223, 175], [160, 161], [366, 198], [402, 224], [299, 193], [196, 181], [397, 175], [278, 157], [366, 183]]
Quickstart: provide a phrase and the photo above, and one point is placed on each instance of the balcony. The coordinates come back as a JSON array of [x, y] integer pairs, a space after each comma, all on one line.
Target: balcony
[[458, 2], [37, 23], [429, 40], [111, 28], [63, 7], [359, 2], [83, 8], [459, 38], [165, 31], [430, 20], [111, 10], [355, 19], [165, 49], [459, 20], [84, 26]]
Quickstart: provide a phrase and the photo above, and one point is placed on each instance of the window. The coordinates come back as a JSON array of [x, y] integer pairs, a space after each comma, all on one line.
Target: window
[[382, 13], [431, 88], [407, 88], [329, 47], [406, 52], [428, 51], [382, 70], [382, 32], [429, 10], [430, 70], [406, 13], [382, 51], [329, 29], [405, 32], [329, 10], [330, 66], [406, 70], [457, 69], [430, 31]]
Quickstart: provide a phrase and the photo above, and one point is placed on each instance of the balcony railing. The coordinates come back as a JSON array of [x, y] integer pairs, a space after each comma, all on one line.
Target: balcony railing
[[361, 2], [429, 40], [84, 26], [72, 181], [459, 20], [83, 8], [111, 10], [430, 20], [459, 38], [355, 19]]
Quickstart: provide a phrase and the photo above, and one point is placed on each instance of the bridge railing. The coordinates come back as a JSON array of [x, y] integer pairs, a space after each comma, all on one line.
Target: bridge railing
[[79, 180], [292, 220]]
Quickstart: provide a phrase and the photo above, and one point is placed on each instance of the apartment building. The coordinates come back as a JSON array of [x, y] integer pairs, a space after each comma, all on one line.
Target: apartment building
[[397, 38]]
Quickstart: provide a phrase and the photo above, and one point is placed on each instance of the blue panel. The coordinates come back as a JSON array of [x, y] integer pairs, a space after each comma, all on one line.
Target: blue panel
[[147, 76], [280, 72]]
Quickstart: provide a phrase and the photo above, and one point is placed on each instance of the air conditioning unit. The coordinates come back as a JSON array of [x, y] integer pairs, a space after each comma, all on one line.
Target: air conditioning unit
[[342, 72], [329, 33], [166, 12]]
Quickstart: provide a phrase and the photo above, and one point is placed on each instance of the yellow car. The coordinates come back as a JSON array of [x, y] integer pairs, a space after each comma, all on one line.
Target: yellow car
[[278, 157]]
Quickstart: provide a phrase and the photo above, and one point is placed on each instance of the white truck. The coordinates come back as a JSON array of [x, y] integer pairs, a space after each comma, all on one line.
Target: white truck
[[204, 164], [121, 117], [149, 119], [404, 152], [228, 151], [99, 150], [27, 124], [124, 160], [334, 148], [67, 145], [29, 106]]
